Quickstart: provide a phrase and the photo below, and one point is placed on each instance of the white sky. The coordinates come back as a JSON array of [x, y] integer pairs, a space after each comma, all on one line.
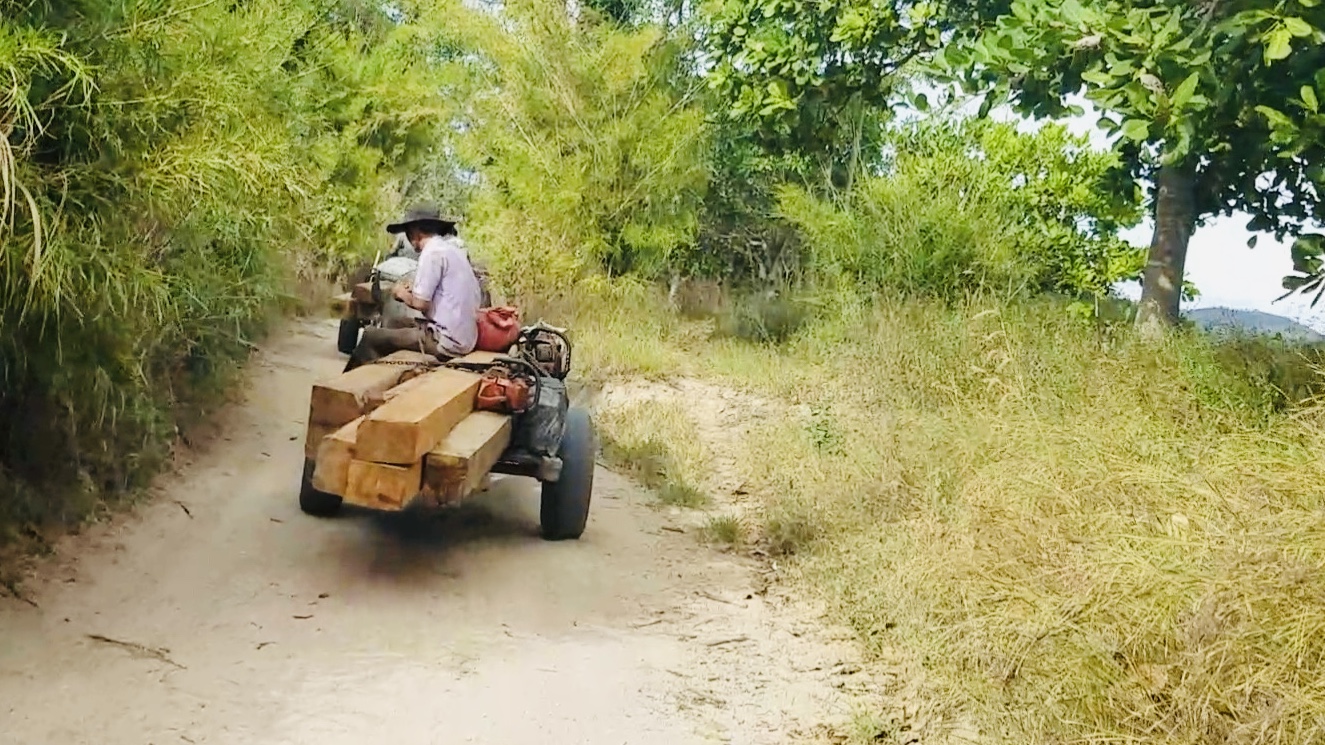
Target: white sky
[[1224, 270], [1230, 275]]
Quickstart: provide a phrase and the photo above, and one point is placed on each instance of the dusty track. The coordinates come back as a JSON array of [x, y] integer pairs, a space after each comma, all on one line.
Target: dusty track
[[218, 613]]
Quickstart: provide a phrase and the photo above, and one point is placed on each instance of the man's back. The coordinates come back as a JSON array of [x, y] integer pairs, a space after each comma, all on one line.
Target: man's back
[[447, 279]]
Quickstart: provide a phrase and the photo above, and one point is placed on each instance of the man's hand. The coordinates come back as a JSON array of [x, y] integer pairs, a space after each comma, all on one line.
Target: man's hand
[[402, 291]]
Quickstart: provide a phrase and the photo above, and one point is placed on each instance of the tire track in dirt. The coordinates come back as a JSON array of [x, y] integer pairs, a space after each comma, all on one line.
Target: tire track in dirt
[[261, 625]]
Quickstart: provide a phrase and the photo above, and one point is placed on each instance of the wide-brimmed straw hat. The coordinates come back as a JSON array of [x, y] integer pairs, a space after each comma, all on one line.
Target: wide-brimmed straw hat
[[422, 214]]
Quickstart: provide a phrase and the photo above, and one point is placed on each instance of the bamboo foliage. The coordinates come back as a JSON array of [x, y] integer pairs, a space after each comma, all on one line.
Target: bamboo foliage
[[590, 157], [161, 164], [27, 55]]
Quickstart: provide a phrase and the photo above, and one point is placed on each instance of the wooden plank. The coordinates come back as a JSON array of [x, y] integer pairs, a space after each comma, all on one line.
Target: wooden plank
[[317, 432], [332, 472], [375, 400], [404, 429], [363, 292], [459, 464], [382, 486], [477, 357], [341, 305], [338, 401]]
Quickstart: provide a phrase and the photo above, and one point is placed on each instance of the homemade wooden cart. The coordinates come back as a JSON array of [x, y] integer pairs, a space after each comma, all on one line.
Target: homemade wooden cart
[[409, 431]]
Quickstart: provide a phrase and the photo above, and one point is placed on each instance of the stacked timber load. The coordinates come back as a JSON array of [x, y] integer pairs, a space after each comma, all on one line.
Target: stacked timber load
[[385, 434]]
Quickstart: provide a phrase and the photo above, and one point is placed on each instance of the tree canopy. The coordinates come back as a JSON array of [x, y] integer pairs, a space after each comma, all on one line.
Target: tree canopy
[[1217, 103], [811, 72]]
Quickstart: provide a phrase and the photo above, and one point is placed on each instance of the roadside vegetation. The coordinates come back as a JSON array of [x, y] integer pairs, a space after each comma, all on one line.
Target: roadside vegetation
[[173, 177], [1071, 551], [971, 454]]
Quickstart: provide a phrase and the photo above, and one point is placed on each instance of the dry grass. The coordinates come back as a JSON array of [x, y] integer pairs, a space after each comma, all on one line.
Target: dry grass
[[614, 334], [654, 442], [1082, 538], [724, 530]]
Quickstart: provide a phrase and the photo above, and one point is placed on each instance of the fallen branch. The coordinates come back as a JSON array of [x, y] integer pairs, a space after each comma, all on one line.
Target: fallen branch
[[729, 640], [137, 650], [711, 596]]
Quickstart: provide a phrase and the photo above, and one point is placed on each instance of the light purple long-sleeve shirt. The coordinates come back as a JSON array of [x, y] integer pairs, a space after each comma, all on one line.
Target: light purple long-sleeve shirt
[[446, 278]]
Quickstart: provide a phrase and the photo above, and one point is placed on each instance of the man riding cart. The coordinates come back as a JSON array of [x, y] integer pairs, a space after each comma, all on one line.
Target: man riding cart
[[367, 306], [430, 404]]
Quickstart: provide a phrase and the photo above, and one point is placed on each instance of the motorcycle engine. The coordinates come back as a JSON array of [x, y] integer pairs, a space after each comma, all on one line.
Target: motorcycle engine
[[547, 348]]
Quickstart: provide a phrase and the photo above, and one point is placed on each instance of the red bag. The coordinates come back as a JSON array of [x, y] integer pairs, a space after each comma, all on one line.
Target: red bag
[[498, 328]]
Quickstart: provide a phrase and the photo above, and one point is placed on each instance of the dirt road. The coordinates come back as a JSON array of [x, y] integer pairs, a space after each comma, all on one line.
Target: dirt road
[[218, 613]]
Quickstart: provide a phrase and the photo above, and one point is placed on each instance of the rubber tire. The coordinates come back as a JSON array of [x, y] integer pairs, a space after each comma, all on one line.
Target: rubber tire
[[314, 502], [565, 507], [347, 338]]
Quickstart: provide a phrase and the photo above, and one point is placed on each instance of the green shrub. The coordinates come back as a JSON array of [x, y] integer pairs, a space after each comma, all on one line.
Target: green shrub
[[1287, 374], [974, 206], [724, 530], [764, 318]]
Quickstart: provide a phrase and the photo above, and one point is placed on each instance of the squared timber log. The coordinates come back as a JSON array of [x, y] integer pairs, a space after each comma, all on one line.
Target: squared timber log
[[332, 472], [341, 305], [363, 292], [375, 400], [316, 434], [382, 485], [459, 464], [402, 430], [477, 357], [340, 400]]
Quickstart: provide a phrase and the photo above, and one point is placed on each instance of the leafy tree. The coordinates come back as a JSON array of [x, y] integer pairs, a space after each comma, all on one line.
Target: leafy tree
[[801, 93], [1062, 195], [742, 237], [620, 12], [815, 76], [1217, 103]]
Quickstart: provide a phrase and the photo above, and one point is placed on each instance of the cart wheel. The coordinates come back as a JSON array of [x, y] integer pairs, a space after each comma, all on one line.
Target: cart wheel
[[348, 337], [312, 501], [565, 508]]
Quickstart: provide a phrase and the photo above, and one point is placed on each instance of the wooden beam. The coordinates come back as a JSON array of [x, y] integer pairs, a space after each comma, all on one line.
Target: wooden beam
[[458, 465], [382, 486], [375, 400], [363, 292], [477, 357], [316, 434], [404, 429], [342, 399], [341, 305], [332, 472]]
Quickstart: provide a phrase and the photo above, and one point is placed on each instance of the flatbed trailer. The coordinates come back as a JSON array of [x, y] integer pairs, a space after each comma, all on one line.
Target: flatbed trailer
[[407, 431]]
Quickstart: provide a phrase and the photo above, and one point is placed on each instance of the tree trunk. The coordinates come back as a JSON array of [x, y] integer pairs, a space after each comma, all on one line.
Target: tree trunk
[[1175, 219]]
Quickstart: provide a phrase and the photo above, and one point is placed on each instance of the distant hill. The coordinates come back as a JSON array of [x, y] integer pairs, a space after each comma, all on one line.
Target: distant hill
[[1252, 322]]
